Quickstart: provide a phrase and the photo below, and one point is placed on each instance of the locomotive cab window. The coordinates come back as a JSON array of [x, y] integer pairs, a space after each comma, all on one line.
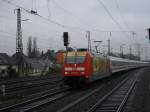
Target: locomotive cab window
[[75, 59]]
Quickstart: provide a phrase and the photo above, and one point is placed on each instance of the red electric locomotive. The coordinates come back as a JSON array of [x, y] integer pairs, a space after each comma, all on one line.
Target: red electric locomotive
[[84, 67]]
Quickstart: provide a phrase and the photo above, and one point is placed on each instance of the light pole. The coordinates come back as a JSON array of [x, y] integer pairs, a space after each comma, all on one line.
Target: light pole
[[130, 51], [96, 45], [109, 49], [121, 49], [105, 49], [88, 35], [138, 50]]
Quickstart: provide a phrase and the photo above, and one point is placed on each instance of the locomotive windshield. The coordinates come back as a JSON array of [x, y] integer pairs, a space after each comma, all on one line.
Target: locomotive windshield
[[75, 59]]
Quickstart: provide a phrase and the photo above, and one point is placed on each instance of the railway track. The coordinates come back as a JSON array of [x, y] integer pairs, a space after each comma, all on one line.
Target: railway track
[[116, 99], [32, 84], [24, 79], [12, 90], [31, 104], [32, 90], [44, 104]]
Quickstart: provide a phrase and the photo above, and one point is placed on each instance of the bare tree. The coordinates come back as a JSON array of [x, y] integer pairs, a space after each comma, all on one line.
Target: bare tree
[[32, 49], [35, 50], [29, 47]]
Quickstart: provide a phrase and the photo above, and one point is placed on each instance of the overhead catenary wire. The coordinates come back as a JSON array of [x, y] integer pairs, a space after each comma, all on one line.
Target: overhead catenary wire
[[65, 26], [122, 17], [34, 8], [48, 8], [110, 15], [47, 19], [7, 33], [35, 5], [12, 38], [62, 25], [79, 19], [85, 23]]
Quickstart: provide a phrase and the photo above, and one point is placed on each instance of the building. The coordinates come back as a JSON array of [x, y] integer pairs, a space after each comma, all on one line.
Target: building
[[36, 66], [5, 62]]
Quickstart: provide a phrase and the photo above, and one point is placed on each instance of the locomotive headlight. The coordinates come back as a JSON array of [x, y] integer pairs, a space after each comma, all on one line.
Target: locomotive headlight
[[66, 72], [80, 68], [68, 68], [82, 73]]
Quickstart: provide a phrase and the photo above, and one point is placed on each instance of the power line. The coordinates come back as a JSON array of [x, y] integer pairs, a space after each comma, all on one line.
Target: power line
[[79, 19], [47, 19], [7, 33], [49, 10], [83, 21], [34, 5], [110, 15], [118, 7], [7, 36], [65, 26], [13, 37]]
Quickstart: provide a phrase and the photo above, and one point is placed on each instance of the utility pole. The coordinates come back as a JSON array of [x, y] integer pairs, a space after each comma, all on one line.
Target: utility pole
[[138, 50], [133, 34], [121, 49], [146, 57], [97, 43], [146, 53], [148, 30], [109, 46], [19, 45], [130, 49], [89, 41]]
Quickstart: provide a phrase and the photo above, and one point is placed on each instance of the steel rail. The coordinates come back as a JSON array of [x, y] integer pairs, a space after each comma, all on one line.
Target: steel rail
[[58, 93], [23, 79], [64, 109], [32, 84], [103, 101], [120, 108], [25, 89], [14, 81], [71, 105]]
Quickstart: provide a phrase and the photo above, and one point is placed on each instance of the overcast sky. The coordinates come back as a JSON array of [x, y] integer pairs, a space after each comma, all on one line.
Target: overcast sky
[[120, 17]]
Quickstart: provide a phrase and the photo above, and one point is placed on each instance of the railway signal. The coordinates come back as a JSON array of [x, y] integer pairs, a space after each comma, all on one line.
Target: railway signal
[[148, 30], [66, 39]]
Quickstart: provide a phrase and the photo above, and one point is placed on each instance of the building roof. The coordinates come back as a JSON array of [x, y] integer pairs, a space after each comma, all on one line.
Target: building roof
[[37, 63], [6, 59]]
